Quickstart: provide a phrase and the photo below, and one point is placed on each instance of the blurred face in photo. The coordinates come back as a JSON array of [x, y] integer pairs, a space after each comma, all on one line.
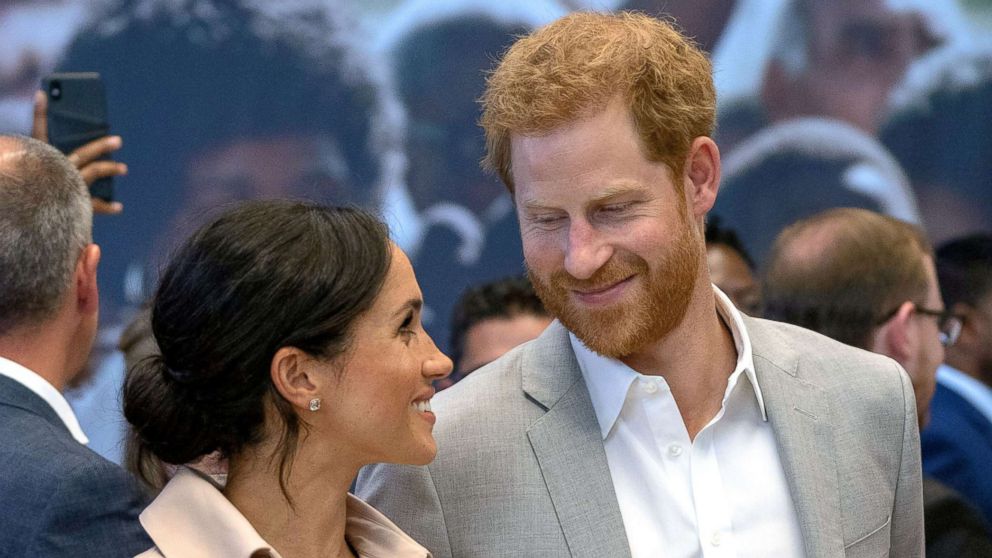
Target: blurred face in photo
[[489, 339], [731, 274], [263, 167], [857, 51], [34, 36]]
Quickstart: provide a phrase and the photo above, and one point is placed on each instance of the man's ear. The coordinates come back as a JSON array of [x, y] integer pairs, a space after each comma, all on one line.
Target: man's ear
[[894, 338], [702, 175], [294, 377], [87, 293]]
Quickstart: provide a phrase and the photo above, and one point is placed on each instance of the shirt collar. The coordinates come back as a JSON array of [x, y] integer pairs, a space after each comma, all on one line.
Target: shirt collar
[[970, 389], [609, 380], [372, 534], [191, 518], [47, 392]]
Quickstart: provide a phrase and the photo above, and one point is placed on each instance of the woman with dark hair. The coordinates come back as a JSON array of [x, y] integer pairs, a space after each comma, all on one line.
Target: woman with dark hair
[[291, 344]]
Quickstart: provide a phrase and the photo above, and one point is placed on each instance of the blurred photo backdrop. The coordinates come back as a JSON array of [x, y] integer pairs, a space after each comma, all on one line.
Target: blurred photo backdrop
[[881, 104]]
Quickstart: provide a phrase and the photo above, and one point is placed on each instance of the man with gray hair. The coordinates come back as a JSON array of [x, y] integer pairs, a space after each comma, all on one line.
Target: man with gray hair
[[59, 497]]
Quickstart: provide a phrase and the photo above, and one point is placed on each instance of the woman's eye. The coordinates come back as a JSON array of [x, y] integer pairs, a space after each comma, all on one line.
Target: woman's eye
[[406, 328]]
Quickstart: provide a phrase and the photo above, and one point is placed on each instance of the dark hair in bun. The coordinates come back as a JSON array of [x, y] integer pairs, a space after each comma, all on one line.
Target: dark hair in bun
[[261, 276]]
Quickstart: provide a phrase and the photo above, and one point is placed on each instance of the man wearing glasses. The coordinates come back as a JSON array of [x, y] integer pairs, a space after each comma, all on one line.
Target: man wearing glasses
[[957, 444], [869, 280]]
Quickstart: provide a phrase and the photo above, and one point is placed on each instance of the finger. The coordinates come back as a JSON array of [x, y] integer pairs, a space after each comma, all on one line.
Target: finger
[[102, 169], [94, 150], [39, 124], [106, 208]]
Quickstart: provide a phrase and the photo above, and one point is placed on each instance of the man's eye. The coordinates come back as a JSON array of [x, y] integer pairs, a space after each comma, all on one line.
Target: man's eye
[[614, 209], [546, 219]]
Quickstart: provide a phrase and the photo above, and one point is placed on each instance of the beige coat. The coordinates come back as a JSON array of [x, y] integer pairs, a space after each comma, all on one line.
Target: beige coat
[[191, 518]]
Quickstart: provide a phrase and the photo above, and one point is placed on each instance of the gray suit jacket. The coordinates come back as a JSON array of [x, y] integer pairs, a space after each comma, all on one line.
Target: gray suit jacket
[[58, 497], [521, 469]]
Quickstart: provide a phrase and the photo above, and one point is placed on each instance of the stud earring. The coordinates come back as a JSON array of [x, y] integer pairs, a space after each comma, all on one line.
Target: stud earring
[[315, 404]]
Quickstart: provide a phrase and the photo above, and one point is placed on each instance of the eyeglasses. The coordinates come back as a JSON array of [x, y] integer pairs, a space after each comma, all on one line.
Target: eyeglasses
[[949, 324]]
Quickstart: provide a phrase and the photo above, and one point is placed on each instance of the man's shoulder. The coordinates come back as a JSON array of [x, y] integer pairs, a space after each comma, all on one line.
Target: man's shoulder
[[40, 457], [27, 433], [491, 396], [787, 345], [47, 474], [499, 377]]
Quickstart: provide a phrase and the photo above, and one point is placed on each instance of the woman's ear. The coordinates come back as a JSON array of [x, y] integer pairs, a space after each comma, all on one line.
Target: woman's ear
[[894, 338], [294, 376]]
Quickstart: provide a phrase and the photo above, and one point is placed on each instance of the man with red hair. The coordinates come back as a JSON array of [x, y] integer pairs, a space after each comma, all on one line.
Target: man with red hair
[[652, 417]]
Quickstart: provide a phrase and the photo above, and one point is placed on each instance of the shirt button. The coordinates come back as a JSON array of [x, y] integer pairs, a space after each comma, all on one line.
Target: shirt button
[[715, 538], [650, 387], [675, 450]]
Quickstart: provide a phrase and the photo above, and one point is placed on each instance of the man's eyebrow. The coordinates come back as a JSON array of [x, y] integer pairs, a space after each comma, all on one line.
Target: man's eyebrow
[[539, 204], [619, 190]]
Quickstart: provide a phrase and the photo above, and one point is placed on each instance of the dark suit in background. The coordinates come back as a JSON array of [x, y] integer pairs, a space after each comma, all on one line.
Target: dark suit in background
[[953, 529], [957, 448], [58, 497]]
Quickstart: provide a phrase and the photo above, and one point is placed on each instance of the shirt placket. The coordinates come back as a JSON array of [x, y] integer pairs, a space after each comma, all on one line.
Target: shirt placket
[[672, 450], [712, 508]]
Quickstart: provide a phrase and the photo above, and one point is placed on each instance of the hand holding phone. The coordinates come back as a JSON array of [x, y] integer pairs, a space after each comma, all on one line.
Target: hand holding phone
[[70, 113]]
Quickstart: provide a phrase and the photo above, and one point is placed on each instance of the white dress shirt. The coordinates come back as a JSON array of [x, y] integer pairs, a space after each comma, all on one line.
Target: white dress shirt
[[40, 387], [723, 494]]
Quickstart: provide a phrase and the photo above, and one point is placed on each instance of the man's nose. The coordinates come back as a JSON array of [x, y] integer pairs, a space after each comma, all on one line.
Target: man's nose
[[587, 250]]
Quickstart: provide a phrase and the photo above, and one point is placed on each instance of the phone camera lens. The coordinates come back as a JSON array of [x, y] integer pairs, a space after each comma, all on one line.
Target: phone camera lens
[[55, 90]]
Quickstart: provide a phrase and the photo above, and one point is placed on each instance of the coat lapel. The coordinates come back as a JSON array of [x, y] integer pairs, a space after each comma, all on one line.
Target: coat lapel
[[800, 417], [569, 449]]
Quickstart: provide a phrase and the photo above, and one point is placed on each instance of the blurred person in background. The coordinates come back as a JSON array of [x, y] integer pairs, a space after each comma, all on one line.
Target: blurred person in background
[[800, 167], [466, 230], [869, 280], [489, 320], [59, 497], [731, 269], [940, 131], [701, 20], [957, 444], [840, 59], [220, 103], [35, 34]]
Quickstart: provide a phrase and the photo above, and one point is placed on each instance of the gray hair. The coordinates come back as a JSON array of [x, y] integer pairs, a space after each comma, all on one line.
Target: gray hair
[[46, 219]]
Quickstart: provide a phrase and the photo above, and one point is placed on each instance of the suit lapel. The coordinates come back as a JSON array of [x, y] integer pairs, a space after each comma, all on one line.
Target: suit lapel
[[800, 417], [569, 449]]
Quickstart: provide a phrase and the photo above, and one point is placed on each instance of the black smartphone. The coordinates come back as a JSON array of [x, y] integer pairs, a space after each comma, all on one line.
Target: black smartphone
[[77, 114]]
